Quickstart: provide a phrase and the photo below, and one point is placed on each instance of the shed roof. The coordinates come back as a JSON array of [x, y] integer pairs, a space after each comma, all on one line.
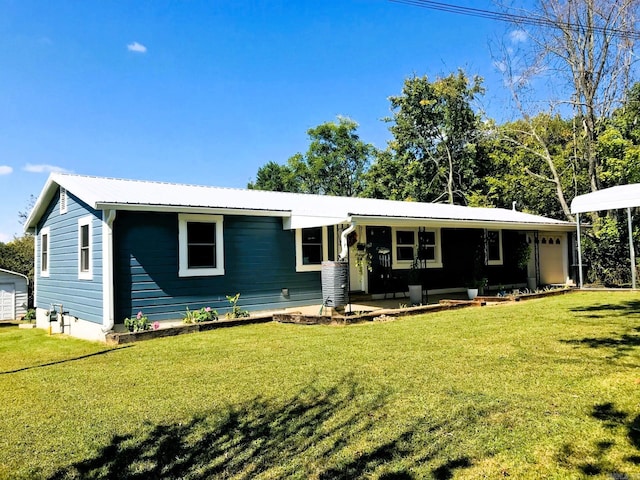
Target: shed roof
[[622, 196], [21, 275], [298, 210]]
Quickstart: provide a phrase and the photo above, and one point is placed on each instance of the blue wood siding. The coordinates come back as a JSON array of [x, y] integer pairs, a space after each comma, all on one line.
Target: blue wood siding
[[81, 298], [259, 261]]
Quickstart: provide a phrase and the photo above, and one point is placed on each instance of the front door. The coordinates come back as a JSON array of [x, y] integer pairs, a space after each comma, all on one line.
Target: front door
[[552, 258]]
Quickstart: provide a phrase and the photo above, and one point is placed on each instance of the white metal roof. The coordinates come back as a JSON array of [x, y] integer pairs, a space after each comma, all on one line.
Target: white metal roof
[[15, 273], [622, 196], [299, 210]]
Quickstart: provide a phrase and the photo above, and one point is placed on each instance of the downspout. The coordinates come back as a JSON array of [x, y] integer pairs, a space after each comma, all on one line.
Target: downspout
[[108, 217], [343, 242]]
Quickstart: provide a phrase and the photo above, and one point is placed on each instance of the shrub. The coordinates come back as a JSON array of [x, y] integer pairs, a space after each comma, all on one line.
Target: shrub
[[205, 314], [139, 323], [235, 312]]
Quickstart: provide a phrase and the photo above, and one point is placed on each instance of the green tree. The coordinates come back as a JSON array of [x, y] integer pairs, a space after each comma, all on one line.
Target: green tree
[[433, 153], [538, 164], [276, 178], [588, 47], [334, 164]]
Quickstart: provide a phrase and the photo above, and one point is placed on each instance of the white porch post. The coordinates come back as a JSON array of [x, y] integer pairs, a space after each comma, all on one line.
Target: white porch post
[[579, 251], [632, 253]]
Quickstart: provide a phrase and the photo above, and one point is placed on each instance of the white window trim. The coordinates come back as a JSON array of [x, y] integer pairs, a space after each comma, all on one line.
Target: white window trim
[[183, 252], [64, 201], [406, 264], [44, 272], [499, 261], [300, 267], [82, 221]]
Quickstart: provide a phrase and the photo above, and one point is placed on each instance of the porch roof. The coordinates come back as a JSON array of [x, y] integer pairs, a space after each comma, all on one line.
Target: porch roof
[[297, 210]]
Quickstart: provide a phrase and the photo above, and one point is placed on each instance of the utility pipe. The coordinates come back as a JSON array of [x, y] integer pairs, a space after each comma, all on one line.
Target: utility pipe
[[343, 241]]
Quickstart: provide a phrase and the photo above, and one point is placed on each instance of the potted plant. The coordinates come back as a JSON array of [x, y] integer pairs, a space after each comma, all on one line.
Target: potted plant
[[415, 284], [476, 287]]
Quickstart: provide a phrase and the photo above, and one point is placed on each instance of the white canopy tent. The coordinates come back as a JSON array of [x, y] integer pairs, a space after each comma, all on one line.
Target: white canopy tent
[[622, 196]]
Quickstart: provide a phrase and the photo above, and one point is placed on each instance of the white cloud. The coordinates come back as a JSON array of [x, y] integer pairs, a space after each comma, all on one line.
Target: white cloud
[[137, 47], [5, 237], [518, 36], [44, 169], [5, 170]]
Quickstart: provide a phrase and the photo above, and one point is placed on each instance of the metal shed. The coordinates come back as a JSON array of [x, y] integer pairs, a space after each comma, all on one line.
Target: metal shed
[[13, 295]]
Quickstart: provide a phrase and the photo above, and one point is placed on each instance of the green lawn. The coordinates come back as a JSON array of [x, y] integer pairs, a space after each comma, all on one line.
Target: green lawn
[[546, 388]]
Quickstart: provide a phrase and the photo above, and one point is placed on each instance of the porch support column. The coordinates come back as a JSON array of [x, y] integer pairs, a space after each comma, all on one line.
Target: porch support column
[[579, 251], [632, 253], [108, 315]]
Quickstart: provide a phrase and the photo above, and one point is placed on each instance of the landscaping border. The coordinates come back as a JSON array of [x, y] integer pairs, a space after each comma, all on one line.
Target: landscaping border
[[119, 338]]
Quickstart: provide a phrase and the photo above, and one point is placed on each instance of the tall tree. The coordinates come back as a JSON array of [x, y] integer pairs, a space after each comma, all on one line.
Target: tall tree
[[334, 163], [534, 169], [587, 46], [435, 133], [276, 178]]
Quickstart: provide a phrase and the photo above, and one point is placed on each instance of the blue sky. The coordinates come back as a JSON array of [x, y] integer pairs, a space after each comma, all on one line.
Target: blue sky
[[206, 92]]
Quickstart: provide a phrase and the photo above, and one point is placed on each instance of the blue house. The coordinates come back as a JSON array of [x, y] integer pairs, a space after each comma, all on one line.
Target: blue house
[[108, 248]]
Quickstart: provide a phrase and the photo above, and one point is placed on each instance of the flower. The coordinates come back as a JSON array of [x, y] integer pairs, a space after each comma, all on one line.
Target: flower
[[208, 309], [139, 316], [156, 325]]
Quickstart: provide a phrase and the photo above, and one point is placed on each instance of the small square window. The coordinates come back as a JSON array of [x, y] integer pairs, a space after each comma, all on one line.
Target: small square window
[[201, 245], [311, 248], [405, 245]]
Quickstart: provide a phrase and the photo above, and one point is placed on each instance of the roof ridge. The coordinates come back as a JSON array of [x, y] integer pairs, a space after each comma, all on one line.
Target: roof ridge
[[238, 189]]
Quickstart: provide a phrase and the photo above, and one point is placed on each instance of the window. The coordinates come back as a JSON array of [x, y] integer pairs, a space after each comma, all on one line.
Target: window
[[85, 262], [63, 200], [412, 243], [201, 246], [311, 248], [427, 246], [405, 245], [494, 247], [44, 251]]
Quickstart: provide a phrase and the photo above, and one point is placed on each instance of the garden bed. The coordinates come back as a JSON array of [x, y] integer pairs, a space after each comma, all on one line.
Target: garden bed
[[119, 338]]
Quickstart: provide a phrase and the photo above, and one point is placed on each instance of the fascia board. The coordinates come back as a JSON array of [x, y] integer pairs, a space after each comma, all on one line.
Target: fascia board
[[460, 223], [188, 209]]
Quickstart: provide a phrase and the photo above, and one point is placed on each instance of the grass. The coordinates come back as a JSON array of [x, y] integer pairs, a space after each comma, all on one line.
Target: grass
[[547, 388]]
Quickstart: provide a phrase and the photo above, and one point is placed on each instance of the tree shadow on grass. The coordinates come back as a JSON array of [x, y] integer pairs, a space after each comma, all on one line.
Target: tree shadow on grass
[[630, 308], [621, 344], [324, 433], [66, 360], [621, 425]]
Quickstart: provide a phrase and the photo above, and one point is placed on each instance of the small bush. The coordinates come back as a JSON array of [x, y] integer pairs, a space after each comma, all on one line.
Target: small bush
[[139, 323], [235, 312], [205, 314]]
